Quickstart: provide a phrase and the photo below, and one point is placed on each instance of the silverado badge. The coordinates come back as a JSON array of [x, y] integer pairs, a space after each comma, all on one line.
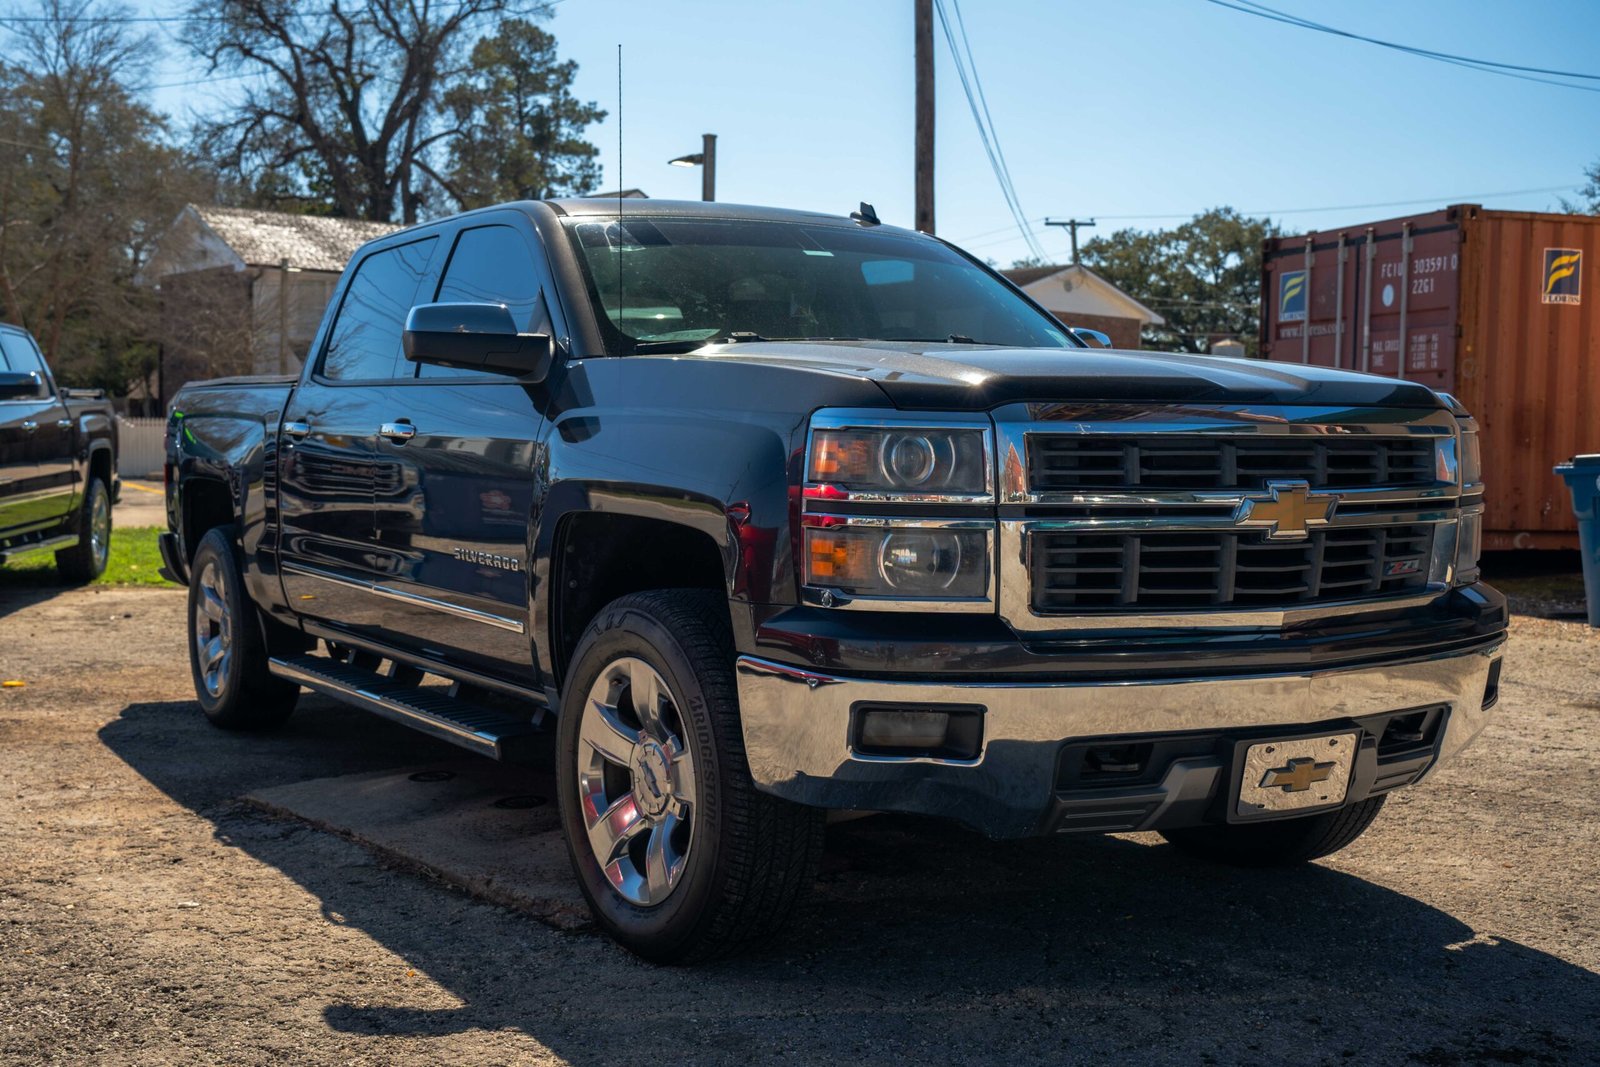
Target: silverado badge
[[1288, 510], [488, 559]]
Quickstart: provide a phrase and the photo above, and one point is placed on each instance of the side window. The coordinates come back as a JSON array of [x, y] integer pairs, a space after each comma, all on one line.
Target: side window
[[365, 340], [21, 355], [494, 265]]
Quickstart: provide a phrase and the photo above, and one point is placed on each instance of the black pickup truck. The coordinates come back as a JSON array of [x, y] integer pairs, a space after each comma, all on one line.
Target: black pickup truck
[[741, 515], [58, 463]]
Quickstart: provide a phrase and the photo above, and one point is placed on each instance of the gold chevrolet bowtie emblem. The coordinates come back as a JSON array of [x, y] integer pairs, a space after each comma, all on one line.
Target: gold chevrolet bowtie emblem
[[1288, 510], [1300, 774]]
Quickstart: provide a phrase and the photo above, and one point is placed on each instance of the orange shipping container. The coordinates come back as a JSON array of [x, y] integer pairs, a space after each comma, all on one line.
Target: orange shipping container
[[1497, 307]]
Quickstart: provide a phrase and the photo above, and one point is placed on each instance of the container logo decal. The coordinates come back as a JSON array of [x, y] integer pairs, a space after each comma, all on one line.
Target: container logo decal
[[1563, 276], [1292, 296]]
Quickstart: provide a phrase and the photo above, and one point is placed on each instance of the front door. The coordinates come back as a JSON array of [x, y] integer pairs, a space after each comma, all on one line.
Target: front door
[[329, 467], [468, 448], [37, 468]]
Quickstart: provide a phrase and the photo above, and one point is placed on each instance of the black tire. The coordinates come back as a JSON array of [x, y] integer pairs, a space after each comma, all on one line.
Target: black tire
[[1284, 843], [86, 560], [231, 680], [750, 857]]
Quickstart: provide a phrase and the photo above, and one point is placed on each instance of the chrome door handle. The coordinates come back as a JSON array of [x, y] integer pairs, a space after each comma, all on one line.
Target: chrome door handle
[[63, 424], [29, 426], [296, 429], [400, 432]]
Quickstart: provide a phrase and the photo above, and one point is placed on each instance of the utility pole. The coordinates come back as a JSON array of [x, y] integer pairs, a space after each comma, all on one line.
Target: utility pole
[[1072, 226], [708, 170], [924, 146]]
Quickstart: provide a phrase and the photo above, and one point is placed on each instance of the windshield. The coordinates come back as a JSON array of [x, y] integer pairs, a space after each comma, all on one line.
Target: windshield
[[689, 281]]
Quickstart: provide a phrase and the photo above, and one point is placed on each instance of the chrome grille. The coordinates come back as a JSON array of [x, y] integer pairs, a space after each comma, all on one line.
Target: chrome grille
[[1065, 462], [1075, 571]]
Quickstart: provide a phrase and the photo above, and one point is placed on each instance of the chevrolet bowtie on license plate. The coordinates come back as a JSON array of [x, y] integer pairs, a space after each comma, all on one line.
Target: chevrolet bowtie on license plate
[[1284, 776]]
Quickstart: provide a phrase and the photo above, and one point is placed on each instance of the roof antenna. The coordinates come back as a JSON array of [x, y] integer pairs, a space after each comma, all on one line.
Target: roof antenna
[[867, 216], [620, 301]]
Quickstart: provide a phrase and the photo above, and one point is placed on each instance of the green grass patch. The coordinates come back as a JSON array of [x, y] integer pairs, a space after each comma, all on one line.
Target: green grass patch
[[135, 560]]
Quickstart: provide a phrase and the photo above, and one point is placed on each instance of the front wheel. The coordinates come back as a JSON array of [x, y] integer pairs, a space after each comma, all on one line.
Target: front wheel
[[227, 654], [679, 855], [1283, 843]]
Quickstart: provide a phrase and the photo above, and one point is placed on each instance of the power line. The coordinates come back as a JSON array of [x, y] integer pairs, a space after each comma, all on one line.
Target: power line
[[966, 45], [986, 134], [1487, 66]]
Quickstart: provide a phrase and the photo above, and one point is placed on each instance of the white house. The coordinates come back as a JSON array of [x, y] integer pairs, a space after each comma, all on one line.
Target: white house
[[243, 290], [1079, 297]]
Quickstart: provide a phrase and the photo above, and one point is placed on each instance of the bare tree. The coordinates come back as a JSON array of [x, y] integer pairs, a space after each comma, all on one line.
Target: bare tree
[[86, 180], [344, 114]]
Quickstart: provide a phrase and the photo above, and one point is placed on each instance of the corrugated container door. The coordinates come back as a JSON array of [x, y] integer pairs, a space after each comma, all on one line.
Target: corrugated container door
[[1410, 294], [1308, 297]]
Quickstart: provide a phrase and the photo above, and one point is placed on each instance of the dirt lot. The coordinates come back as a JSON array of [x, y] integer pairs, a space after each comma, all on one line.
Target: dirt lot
[[147, 915]]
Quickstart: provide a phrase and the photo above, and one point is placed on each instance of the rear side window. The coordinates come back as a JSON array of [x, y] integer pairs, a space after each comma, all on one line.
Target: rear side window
[[494, 265], [366, 337]]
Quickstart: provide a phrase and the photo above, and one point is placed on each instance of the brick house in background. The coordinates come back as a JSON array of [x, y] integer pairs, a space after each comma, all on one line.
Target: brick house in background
[[1079, 297], [243, 291]]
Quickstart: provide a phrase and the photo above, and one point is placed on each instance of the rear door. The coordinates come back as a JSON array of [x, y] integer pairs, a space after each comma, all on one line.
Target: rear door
[[330, 470], [467, 448], [37, 465]]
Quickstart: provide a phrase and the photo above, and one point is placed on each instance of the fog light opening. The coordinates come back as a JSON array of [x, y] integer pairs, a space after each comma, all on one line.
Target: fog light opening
[[930, 731]]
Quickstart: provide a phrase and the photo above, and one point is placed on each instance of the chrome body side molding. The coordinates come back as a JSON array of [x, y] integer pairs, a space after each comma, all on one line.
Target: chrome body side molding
[[391, 593]]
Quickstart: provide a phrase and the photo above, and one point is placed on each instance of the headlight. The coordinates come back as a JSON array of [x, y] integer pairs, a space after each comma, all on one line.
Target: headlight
[[899, 562], [909, 462], [1470, 461]]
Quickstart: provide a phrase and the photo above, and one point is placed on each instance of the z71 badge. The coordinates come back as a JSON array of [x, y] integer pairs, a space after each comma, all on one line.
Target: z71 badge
[[488, 559]]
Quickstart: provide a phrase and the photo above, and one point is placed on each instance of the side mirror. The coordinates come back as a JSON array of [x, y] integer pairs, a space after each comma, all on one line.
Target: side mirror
[[1092, 338], [480, 337], [20, 385]]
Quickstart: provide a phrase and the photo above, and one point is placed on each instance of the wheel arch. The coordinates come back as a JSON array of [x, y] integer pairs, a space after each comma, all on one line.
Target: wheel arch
[[597, 556]]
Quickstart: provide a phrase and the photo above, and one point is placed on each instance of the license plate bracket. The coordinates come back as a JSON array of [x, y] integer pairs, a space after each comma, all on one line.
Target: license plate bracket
[[1292, 776]]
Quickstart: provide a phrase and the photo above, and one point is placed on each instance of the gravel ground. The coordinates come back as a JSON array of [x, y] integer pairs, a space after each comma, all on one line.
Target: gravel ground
[[147, 916]]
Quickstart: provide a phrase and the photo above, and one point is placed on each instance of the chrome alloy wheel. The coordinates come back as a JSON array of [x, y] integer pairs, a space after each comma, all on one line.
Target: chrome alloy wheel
[[636, 781], [213, 629], [100, 530]]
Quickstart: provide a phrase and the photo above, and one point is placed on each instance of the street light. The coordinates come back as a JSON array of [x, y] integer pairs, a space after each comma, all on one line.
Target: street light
[[706, 158]]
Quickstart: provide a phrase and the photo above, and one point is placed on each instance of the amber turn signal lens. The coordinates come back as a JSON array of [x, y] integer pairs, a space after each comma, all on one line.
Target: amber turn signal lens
[[898, 563]]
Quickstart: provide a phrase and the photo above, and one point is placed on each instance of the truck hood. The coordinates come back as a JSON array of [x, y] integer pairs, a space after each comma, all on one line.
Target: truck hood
[[919, 375]]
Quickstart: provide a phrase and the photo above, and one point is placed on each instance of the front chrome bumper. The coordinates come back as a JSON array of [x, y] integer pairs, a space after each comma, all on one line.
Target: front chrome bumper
[[797, 736]]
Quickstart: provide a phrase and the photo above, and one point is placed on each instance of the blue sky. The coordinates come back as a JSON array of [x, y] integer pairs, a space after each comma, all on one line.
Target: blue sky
[[1125, 111]]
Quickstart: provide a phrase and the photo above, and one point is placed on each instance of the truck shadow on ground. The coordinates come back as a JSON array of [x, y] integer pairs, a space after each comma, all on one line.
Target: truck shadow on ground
[[919, 944]]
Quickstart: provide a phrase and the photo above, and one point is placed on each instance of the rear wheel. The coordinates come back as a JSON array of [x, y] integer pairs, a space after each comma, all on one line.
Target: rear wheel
[[679, 855], [1284, 843], [227, 655], [86, 560]]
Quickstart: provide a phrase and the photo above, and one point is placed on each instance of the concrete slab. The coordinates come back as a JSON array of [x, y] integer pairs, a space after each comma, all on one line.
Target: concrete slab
[[143, 503], [484, 827]]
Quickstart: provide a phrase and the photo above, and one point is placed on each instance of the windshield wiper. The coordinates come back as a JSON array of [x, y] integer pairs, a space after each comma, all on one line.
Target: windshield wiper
[[948, 339]]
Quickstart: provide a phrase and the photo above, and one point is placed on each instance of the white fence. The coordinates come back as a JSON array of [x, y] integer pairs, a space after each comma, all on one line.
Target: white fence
[[141, 447]]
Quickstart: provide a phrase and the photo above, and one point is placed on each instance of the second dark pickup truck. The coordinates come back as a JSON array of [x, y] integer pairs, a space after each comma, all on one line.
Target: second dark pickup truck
[[58, 463], [739, 516]]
